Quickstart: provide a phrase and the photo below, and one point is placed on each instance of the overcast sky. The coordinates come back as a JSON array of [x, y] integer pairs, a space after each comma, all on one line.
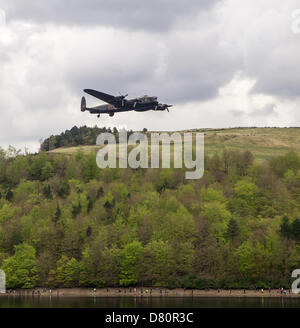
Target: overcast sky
[[221, 63]]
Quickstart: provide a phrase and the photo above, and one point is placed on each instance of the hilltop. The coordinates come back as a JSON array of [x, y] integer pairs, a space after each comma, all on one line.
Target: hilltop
[[264, 143]]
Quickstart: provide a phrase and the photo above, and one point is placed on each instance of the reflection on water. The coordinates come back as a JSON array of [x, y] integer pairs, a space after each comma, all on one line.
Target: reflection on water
[[147, 302]]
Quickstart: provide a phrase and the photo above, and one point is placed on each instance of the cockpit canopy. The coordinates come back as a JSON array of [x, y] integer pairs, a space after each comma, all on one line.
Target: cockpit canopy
[[146, 99]]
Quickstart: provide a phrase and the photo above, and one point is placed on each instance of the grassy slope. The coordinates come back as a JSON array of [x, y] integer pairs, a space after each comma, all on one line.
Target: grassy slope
[[262, 142]]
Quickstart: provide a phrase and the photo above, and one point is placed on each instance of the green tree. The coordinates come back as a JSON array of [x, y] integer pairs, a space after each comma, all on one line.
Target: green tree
[[281, 164], [7, 212], [285, 227], [9, 195], [88, 231], [68, 272], [72, 273], [245, 198], [100, 192], [232, 229], [158, 262], [130, 260], [110, 272], [63, 190], [20, 269], [47, 192], [47, 171], [295, 229], [57, 214], [90, 204], [245, 255], [91, 170], [76, 209]]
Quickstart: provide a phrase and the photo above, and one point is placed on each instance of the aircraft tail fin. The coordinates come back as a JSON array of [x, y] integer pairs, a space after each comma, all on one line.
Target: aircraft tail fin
[[83, 104]]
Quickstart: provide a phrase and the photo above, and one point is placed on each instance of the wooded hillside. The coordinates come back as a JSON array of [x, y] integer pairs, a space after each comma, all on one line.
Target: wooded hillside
[[65, 222]]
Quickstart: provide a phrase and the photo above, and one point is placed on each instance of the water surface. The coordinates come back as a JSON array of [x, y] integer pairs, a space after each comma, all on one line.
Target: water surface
[[147, 302]]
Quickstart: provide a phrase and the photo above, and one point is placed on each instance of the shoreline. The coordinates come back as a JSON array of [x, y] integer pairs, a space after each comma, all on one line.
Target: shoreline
[[144, 292]]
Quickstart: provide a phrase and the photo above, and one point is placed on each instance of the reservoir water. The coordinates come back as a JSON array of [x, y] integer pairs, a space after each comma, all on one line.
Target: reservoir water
[[147, 302]]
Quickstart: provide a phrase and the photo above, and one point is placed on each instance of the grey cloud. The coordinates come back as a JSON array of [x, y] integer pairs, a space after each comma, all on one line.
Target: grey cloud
[[180, 68], [276, 69], [45, 68], [132, 14], [267, 110], [237, 113], [272, 51]]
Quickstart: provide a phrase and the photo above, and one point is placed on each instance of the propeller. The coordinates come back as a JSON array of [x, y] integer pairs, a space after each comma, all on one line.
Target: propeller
[[167, 107], [121, 96]]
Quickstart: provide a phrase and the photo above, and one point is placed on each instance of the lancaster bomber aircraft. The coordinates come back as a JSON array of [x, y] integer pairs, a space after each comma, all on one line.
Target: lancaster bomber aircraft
[[120, 104]]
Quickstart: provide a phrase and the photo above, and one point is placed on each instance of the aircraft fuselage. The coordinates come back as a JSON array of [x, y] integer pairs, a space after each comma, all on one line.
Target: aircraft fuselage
[[120, 104]]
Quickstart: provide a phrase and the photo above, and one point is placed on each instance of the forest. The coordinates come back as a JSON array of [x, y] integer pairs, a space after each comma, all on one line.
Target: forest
[[66, 223], [77, 136]]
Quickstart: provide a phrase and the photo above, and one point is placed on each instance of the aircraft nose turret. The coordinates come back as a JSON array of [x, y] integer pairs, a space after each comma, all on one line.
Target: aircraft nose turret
[[166, 107]]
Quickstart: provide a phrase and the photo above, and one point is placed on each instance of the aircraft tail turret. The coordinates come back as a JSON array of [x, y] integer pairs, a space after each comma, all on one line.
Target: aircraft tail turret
[[83, 104]]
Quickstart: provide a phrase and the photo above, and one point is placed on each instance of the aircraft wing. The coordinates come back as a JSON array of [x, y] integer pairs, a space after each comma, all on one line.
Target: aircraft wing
[[99, 110], [101, 95]]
